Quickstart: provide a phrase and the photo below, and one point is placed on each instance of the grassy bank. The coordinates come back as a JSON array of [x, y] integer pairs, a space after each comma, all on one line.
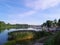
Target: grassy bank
[[25, 36]]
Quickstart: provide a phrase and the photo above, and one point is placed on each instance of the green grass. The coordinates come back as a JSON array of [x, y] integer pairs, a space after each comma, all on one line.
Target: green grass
[[25, 36], [53, 40], [20, 37]]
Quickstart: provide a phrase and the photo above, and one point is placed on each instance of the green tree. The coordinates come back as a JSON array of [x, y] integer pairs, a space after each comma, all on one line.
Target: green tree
[[55, 23], [2, 24], [44, 24], [59, 23], [49, 24]]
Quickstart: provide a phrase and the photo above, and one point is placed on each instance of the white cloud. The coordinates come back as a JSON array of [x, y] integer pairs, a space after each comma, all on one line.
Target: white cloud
[[29, 13], [36, 5], [50, 16], [41, 4], [21, 15], [53, 16]]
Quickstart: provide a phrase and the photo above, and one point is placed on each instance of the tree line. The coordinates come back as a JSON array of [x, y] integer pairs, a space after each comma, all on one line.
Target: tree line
[[49, 23], [4, 25]]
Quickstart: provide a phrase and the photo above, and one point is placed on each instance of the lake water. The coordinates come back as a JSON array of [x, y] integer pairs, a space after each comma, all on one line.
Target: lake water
[[4, 35]]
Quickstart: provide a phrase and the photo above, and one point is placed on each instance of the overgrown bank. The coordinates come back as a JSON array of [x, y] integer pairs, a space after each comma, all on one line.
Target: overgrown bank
[[25, 36]]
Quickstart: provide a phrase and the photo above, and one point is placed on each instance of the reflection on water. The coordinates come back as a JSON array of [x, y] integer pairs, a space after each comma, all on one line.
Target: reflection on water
[[2, 29], [4, 37]]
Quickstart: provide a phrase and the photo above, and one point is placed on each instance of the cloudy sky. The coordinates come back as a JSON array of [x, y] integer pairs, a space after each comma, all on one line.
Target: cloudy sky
[[29, 11]]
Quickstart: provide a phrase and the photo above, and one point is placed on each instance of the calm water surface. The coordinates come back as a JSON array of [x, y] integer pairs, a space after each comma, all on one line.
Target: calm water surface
[[4, 35]]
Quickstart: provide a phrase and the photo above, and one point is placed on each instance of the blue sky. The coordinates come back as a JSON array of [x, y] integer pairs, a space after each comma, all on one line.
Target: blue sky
[[29, 11]]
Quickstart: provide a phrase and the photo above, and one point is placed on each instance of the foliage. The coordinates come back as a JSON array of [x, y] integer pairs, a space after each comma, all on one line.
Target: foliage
[[53, 40], [10, 26], [50, 23], [2, 24], [59, 22], [20, 37]]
